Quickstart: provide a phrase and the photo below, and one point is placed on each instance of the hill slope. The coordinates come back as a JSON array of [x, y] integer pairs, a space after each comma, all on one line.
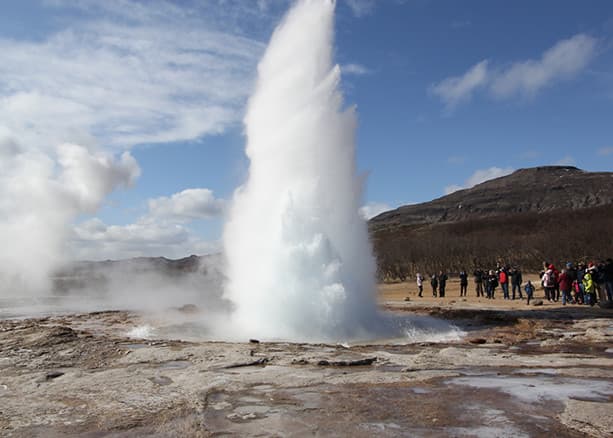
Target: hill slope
[[546, 213], [536, 190]]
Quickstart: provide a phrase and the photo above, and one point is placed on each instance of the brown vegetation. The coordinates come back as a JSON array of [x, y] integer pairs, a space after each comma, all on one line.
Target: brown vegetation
[[521, 239]]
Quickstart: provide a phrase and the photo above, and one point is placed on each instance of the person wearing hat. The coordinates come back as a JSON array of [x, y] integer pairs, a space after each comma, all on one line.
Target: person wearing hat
[[549, 283], [589, 289]]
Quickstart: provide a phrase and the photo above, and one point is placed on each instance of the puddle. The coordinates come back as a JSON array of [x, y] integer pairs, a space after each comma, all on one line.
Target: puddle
[[161, 380], [539, 389]]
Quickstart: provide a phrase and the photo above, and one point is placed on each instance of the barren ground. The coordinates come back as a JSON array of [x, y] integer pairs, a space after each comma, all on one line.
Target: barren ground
[[519, 371]]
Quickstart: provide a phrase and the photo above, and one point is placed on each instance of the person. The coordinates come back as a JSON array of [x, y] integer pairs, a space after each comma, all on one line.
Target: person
[[565, 286], [608, 278], [516, 281], [549, 283], [503, 279], [589, 290], [442, 283], [529, 288], [434, 284], [580, 274], [478, 274], [463, 282], [420, 283], [491, 284], [598, 277]]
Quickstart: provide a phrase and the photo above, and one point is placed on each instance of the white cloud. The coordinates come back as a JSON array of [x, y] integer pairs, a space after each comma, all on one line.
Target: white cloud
[[118, 73], [164, 229], [355, 69], [566, 161], [563, 61], [361, 8], [190, 204], [605, 151], [373, 209], [153, 74], [455, 90], [95, 240], [478, 177]]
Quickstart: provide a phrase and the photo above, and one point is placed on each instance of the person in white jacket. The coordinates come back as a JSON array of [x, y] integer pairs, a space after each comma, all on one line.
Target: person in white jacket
[[420, 283]]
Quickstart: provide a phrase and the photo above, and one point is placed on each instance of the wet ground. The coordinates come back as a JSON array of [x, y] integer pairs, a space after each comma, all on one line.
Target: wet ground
[[515, 373]]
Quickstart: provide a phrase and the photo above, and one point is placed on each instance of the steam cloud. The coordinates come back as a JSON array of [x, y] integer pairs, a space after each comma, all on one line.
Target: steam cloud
[[40, 194], [299, 261]]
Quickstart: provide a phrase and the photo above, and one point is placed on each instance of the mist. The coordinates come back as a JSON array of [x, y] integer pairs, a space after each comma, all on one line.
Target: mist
[[41, 193]]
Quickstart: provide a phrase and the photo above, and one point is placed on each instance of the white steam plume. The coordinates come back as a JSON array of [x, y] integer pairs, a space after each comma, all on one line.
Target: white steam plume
[[40, 194], [300, 264]]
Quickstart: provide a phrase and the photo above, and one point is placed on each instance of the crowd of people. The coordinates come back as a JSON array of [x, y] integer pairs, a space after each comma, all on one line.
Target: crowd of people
[[579, 283]]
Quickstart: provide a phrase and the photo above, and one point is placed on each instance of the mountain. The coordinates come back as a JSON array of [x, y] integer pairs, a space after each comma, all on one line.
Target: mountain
[[554, 213], [538, 190]]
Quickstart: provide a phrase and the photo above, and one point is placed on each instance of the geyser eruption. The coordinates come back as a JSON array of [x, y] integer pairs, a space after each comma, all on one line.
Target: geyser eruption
[[300, 264]]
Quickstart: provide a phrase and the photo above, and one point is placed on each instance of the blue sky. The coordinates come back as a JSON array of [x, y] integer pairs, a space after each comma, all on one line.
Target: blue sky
[[448, 94]]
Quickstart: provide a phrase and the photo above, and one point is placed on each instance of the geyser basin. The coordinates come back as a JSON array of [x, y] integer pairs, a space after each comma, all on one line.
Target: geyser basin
[[299, 262]]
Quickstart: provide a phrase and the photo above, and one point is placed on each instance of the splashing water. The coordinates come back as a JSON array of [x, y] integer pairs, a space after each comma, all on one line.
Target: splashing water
[[300, 264]]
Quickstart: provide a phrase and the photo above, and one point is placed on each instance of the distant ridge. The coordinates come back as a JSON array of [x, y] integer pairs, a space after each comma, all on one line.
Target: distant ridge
[[537, 189], [554, 213]]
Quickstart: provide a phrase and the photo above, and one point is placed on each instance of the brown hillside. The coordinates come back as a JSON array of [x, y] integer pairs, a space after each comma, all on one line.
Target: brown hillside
[[536, 190], [545, 213]]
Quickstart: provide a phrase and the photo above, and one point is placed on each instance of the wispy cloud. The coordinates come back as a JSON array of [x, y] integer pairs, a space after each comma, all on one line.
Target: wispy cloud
[[361, 8], [373, 209], [478, 177], [605, 151], [355, 69], [152, 75], [563, 61], [529, 155], [455, 90], [566, 161]]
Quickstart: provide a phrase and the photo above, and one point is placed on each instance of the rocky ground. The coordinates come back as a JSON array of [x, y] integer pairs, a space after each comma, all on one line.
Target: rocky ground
[[518, 371]]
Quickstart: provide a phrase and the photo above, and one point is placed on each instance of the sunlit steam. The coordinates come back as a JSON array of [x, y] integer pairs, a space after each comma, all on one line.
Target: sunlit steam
[[300, 264]]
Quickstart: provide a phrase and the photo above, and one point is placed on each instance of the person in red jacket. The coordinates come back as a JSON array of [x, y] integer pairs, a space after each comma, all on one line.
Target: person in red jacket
[[565, 283], [503, 279]]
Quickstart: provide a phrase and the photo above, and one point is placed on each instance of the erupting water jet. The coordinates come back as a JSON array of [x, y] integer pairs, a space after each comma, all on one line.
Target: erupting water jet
[[299, 261]]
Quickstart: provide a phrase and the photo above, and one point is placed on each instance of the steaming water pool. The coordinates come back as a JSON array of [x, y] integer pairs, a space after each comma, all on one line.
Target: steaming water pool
[[397, 330]]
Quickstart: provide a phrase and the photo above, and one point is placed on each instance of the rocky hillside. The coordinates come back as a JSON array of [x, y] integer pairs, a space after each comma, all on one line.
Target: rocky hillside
[[554, 213], [534, 190]]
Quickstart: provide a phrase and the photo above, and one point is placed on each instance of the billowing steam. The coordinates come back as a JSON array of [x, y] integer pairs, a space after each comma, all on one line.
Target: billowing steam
[[300, 264], [40, 195]]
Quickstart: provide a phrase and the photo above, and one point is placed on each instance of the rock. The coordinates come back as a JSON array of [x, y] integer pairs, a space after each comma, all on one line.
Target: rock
[[188, 308], [254, 341], [347, 363], [537, 303], [300, 362], [53, 375], [477, 341]]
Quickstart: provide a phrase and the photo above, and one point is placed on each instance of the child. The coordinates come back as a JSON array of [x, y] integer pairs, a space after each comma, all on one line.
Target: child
[[529, 288]]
